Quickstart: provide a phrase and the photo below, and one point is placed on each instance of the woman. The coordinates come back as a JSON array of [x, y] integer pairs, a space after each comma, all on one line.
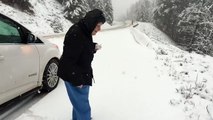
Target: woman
[[75, 63]]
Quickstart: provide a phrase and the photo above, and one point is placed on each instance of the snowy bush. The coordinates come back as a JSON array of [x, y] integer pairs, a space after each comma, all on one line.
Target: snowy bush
[[192, 88], [161, 51]]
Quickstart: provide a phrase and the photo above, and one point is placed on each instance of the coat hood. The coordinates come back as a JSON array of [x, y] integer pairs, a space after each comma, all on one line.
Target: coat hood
[[92, 18]]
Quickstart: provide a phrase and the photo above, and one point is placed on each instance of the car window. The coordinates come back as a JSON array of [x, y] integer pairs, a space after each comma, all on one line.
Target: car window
[[9, 33]]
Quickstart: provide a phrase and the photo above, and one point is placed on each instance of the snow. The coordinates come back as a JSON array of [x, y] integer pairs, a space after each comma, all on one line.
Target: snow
[[139, 75]]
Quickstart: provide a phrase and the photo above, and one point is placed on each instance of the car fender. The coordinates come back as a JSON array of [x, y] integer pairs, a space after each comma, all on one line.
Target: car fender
[[46, 53]]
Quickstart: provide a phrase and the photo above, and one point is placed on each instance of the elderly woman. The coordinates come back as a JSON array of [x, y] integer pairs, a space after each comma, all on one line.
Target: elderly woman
[[75, 63]]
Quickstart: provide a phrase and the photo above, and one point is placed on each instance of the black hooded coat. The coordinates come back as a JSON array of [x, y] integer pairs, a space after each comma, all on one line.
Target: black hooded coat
[[79, 49]]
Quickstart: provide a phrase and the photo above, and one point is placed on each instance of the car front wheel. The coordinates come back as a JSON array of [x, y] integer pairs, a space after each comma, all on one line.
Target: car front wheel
[[50, 78]]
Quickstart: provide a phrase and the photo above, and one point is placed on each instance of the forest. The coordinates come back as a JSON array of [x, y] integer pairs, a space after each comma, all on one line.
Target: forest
[[188, 23]]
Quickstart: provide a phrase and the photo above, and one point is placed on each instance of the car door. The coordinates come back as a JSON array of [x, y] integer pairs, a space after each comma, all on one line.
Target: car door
[[19, 61]]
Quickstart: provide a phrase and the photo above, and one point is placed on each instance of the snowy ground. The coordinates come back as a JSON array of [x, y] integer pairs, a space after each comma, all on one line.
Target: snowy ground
[[145, 81]]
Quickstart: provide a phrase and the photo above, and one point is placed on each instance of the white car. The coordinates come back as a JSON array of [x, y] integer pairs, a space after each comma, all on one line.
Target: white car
[[27, 63]]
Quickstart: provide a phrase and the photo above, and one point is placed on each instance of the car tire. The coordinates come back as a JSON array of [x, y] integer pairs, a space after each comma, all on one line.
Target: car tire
[[50, 78]]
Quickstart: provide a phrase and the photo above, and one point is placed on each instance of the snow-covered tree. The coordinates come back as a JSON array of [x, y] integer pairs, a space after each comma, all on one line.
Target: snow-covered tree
[[196, 28], [107, 5], [166, 15], [75, 9]]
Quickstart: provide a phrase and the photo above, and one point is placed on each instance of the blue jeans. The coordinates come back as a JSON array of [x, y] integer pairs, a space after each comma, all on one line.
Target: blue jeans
[[79, 98]]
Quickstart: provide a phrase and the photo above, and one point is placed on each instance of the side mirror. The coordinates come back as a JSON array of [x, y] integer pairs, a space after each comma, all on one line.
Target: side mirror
[[31, 38]]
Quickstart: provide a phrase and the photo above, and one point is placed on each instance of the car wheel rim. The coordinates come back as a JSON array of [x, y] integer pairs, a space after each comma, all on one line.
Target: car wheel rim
[[52, 77]]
